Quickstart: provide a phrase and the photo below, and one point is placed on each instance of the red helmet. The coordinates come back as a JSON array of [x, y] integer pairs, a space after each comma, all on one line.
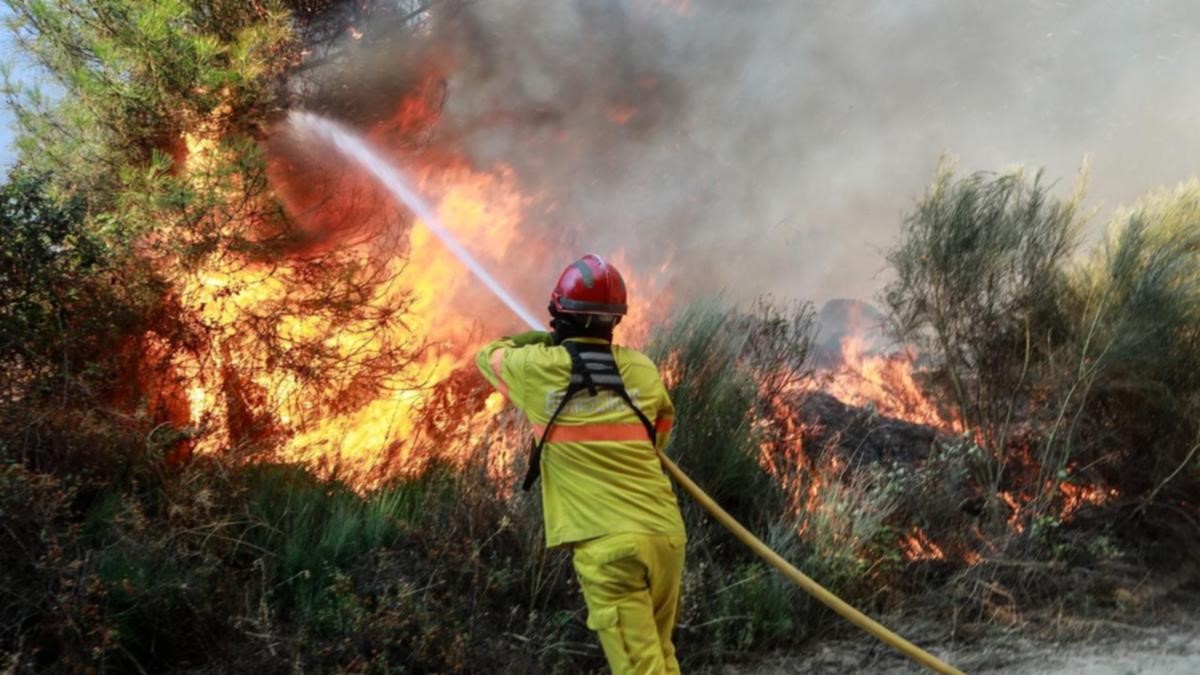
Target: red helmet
[[589, 286]]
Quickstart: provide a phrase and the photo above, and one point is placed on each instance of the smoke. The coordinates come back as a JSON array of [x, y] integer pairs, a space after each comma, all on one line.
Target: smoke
[[774, 147]]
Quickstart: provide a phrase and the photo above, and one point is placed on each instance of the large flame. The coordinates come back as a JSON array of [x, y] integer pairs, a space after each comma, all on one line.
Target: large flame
[[397, 386], [396, 344], [887, 383], [884, 381]]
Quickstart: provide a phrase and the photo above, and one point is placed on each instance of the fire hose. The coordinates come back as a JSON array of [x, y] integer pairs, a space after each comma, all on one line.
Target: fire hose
[[802, 580], [358, 149]]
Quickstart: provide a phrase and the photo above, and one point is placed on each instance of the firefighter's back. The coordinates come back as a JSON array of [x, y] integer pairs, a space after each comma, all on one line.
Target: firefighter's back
[[600, 473]]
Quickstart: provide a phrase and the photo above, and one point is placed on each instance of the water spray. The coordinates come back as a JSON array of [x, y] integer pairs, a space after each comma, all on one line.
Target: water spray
[[356, 148]]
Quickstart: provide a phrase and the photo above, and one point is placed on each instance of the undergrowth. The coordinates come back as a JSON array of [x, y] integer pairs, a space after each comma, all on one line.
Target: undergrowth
[[114, 556], [111, 557]]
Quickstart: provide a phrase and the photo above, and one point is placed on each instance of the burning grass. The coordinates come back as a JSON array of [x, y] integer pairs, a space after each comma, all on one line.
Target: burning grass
[[426, 555], [262, 563], [264, 312], [442, 567]]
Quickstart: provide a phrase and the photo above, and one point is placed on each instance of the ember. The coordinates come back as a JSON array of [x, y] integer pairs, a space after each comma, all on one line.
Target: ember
[[917, 546], [1075, 496]]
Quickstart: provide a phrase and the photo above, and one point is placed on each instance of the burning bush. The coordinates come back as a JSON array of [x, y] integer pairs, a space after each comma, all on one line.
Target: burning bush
[[175, 285], [143, 87], [980, 287], [1073, 381], [1052, 367]]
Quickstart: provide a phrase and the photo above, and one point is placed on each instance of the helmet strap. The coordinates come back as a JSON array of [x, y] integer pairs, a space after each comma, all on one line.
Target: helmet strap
[[566, 326]]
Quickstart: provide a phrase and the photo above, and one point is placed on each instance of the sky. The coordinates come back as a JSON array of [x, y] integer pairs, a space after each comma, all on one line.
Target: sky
[[7, 52]]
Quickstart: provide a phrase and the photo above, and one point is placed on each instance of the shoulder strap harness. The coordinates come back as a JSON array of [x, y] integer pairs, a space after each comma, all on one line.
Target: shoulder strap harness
[[593, 368]]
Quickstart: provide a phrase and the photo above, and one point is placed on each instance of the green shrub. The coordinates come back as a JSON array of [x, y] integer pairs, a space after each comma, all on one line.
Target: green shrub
[[847, 535], [1132, 385], [710, 354], [62, 314], [981, 288]]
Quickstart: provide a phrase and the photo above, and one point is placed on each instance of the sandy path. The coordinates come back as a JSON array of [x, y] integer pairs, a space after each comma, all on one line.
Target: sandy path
[[1170, 650], [1149, 653]]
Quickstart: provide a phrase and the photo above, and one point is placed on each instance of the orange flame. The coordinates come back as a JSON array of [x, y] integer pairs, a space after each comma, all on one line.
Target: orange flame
[[885, 382], [918, 546], [245, 381], [1014, 518], [1075, 496]]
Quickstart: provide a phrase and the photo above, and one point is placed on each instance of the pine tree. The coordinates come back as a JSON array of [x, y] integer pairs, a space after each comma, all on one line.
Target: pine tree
[[157, 126]]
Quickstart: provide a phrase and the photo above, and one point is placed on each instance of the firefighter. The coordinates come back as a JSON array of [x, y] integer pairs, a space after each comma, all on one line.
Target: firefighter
[[596, 409]]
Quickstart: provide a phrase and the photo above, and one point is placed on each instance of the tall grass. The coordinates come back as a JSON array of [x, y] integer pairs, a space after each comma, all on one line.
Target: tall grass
[[715, 394], [300, 530]]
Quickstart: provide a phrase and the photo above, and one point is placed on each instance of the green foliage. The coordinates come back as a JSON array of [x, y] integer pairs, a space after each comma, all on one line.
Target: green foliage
[[980, 286], [133, 76], [847, 537], [62, 310], [44, 253], [1132, 375], [715, 358], [753, 607]]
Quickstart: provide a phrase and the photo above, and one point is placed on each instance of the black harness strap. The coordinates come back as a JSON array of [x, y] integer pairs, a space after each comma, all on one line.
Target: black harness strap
[[593, 368]]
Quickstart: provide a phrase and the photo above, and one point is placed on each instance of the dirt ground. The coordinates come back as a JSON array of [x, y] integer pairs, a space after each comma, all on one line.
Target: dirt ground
[[1153, 653], [1123, 650]]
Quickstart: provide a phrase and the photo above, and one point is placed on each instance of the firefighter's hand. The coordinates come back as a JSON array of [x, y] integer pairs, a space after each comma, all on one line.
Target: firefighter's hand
[[533, 337]]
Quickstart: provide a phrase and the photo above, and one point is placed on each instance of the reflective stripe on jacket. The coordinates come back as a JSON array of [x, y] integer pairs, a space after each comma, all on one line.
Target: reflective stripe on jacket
[[600, 475]]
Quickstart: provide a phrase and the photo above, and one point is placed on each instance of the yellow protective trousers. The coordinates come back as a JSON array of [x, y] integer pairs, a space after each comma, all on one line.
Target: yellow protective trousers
[[631, 583]]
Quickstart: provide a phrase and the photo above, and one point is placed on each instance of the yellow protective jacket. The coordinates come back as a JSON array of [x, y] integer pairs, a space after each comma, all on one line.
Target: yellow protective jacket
[[600, 475]]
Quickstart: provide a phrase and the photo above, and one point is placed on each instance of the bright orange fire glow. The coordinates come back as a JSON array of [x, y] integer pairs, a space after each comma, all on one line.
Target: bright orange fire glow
[[1014, 519], [670, 370], [237, 394], [236, 391], [652, 300], [885, 382], [1075, 496], [918, 546]]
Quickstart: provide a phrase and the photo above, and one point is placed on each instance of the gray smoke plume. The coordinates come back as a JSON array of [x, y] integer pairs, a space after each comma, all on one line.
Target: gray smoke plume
[[774, 147]]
